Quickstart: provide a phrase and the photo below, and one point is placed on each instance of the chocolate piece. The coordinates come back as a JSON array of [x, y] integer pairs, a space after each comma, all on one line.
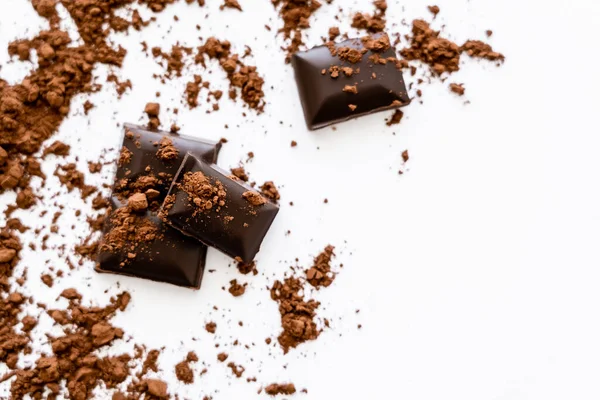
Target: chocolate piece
[[136, 242], [207, 204], [330, 92], [166, 256], [151, 157]]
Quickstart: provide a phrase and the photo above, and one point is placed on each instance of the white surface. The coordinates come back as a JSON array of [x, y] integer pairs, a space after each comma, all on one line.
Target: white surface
[[476, 272]]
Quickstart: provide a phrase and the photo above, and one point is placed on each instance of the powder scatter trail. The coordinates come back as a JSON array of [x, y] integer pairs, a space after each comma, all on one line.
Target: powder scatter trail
[[242, 78], [295, 15]]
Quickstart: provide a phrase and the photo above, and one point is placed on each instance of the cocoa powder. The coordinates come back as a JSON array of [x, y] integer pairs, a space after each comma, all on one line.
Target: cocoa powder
[[295, 15]]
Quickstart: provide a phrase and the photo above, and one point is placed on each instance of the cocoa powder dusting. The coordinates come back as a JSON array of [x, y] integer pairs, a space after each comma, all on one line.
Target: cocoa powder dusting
[[277, 388], [202, 192]]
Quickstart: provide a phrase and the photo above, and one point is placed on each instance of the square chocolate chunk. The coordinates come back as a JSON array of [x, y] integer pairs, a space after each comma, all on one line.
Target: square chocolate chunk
[[218, 209], [338, 82]]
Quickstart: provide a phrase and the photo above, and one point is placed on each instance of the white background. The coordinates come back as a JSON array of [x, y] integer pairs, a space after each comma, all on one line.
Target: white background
[[476, 272]]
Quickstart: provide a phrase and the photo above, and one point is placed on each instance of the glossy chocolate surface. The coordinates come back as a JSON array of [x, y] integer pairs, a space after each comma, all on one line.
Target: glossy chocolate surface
[[237, 229], [172, 257], [380, 87], [143, 144]]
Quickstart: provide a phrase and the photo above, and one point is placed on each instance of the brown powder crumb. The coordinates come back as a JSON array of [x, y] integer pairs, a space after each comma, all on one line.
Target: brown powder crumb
[[350, 54], [372, 23], [94, 167], [246, 268], [434, 10], [276, 388], [222, 357], [236, 289], [120, 86], [138, 202], [240, 173], [457, 88], [395, 118], [376, 44], [269, 190], [479, 49], [489, 33], [153, 110], [294, 143], [320, 275], [150, 362], [254, 198], [237, 370], [405, 156], [124, 157], [174, 60], [167, 150], [184, 371], [297, 314], [440, 54], [352, 107], [231, 4], [192, 90], [47, 280], [241, 76], [334, 32], [202, 193], [57, 148], [72, 178], [157, 388], [350, 89], [211, 327]]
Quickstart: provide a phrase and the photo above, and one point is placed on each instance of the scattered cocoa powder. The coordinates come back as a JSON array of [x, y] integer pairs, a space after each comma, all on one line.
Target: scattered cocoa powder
[[236, 289], [202, 192], [120, 86], [277, 388], [242, 77], [231, 4], [240, 173], [435, 10], [457, 88], [72, 178], [320, 275], [254, 198], [184, 371], [295, 15], [57, 148], [269, 190], [479, 49], [395, 118], [211, 327], [297, 314]]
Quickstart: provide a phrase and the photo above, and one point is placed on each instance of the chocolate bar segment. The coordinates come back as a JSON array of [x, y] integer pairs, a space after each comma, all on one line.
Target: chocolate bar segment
[[136, 242], [139, 244], [338, 82], [218, 209], [150, 159]]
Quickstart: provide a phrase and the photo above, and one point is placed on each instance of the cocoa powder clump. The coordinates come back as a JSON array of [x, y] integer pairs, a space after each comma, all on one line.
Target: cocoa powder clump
[[479, 49], [320, 275], [254, 198], [269, 190], [427, 46], [167, 150], [203, 193], [277, 388], [297, 314], [295, 15], [236, 289], [241, 76]]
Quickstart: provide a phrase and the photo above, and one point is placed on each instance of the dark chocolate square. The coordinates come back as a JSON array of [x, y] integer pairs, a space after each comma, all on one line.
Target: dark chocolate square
[[376, 76], [227, 214], [170, 256]]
